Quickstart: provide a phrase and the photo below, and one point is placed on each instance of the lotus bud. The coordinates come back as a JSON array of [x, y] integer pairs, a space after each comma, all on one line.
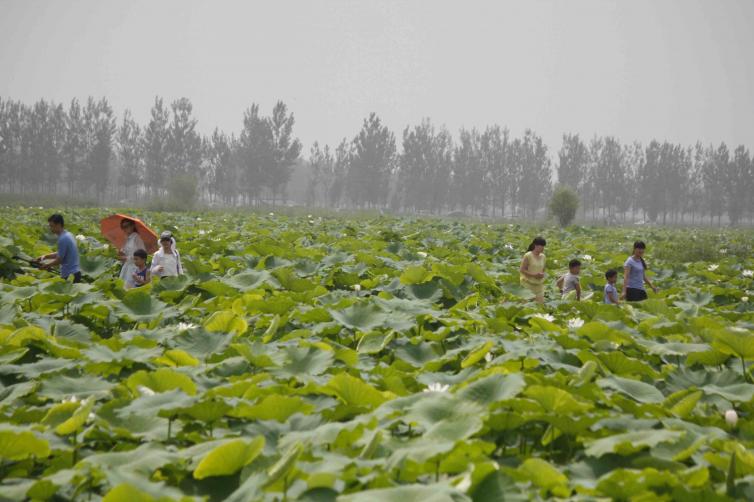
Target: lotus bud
[[357, 287], [731, 417]]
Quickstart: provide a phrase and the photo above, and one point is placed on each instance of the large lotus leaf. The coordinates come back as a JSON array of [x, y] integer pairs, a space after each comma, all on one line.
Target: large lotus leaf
[[249, 280], [497, 487], [640, 391], [229, 457], [225, 321], [202, 344], [355, 392], [409, 493], [556, 400], [19, 445], [77, 419], [631, 442], [94, 266], [736, 342], [144, 459], [273, 407], [493, 388], [139, 305], [368, 316], [545, 476], [161, 380], [63, 386], [304, 361]]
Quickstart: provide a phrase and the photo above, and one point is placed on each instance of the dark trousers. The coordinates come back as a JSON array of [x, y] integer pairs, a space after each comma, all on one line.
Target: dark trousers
[[76, 277], [635, 294]]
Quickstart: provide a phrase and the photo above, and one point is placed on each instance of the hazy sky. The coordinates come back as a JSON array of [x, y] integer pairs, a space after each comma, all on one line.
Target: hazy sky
[[680, 70]]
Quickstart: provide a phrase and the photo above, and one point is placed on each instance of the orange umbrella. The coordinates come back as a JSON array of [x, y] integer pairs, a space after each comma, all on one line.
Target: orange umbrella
[[110, 228]]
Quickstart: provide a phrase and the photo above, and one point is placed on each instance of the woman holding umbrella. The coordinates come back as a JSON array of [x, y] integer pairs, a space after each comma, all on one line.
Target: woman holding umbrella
[[128, 234], [126, 253]]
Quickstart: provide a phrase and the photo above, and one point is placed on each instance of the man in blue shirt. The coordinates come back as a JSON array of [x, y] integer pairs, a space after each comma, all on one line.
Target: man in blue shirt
[[67, 255]]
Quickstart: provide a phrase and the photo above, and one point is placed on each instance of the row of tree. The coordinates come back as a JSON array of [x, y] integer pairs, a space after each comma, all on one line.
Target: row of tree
[[489, 172], [84, 150]]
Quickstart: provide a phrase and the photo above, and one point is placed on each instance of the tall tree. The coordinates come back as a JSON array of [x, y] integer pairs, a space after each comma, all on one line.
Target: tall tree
[[223, 178], [130, 152], [255, 152], [156, 148], [285, 150], [184, 145], [372, 163], [101, 127]]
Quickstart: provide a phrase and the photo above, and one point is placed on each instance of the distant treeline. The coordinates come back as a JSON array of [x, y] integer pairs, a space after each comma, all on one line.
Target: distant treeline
[[83, 150]]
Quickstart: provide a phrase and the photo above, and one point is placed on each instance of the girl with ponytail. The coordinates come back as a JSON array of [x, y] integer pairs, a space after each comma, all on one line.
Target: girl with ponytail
[[532, 271], [635, 275]]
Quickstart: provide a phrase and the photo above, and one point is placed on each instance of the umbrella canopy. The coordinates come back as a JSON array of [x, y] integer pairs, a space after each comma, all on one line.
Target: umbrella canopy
[[110, 228]]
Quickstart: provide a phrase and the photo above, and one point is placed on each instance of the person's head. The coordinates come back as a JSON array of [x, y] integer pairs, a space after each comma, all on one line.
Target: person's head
[[128, 226], [574, 266], [537, 245], [140, 258], [639, 248], [56, 223], [166, 241], [611, 276]]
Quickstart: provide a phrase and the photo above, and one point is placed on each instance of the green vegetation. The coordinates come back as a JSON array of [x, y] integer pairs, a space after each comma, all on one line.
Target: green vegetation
[[373, 359], [563, 205]]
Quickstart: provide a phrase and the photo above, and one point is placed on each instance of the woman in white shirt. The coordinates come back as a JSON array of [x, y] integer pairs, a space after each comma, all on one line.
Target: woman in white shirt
[[166, 262], [126, 254]]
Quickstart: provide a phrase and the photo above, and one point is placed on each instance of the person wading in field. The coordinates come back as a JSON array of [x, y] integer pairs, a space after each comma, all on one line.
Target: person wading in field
[[67, 255], [532, 271], [126, 254], [635, 275]]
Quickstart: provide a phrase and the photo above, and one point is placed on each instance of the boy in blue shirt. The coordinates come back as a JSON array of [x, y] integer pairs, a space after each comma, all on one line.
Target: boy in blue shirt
[[611, 293], [67, 255]]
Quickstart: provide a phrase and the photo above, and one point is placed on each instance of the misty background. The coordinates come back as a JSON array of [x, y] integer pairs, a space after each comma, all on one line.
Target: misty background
[[643, 107]]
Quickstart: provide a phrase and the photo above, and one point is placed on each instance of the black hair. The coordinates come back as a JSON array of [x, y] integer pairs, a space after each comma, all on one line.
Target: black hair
[[641, 245], [538, 241], [141, 254], [574, 263], [56, 218], [610, 274], [130, 222]]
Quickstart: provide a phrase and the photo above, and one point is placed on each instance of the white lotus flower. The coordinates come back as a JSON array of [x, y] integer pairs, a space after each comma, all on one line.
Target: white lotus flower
[[587, 257], [723, 251], [508, 246], [145, 391], [202, 232], [731, 417], [186, 325], [748, 273], [465, 483], [272, 214], [713, 267], [106, 246], [437, 387], [91, 416], [546, 317], [357, 287], [309, 216], [422, 254], [197, 219], [81, 238], [71, 399], [488, 357], [575, 323], [744, 298]]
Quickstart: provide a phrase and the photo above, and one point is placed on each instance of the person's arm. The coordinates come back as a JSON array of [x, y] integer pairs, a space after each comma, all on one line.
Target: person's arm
[[178, 262], [626, 276], [156, 263], [578, 290], [560, 282], [613, 297]]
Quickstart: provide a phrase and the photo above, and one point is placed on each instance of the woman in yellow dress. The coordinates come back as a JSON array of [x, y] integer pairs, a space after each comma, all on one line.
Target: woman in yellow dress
[[532, 271]]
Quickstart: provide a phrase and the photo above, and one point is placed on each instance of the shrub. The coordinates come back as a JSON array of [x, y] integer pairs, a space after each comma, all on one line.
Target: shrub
[[563, 205]]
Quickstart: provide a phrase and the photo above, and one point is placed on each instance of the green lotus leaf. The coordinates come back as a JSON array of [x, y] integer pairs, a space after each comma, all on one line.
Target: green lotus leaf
[[229, 457]]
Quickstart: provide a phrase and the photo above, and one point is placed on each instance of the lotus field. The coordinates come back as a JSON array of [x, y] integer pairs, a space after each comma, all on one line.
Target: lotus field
[[374, 359]]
